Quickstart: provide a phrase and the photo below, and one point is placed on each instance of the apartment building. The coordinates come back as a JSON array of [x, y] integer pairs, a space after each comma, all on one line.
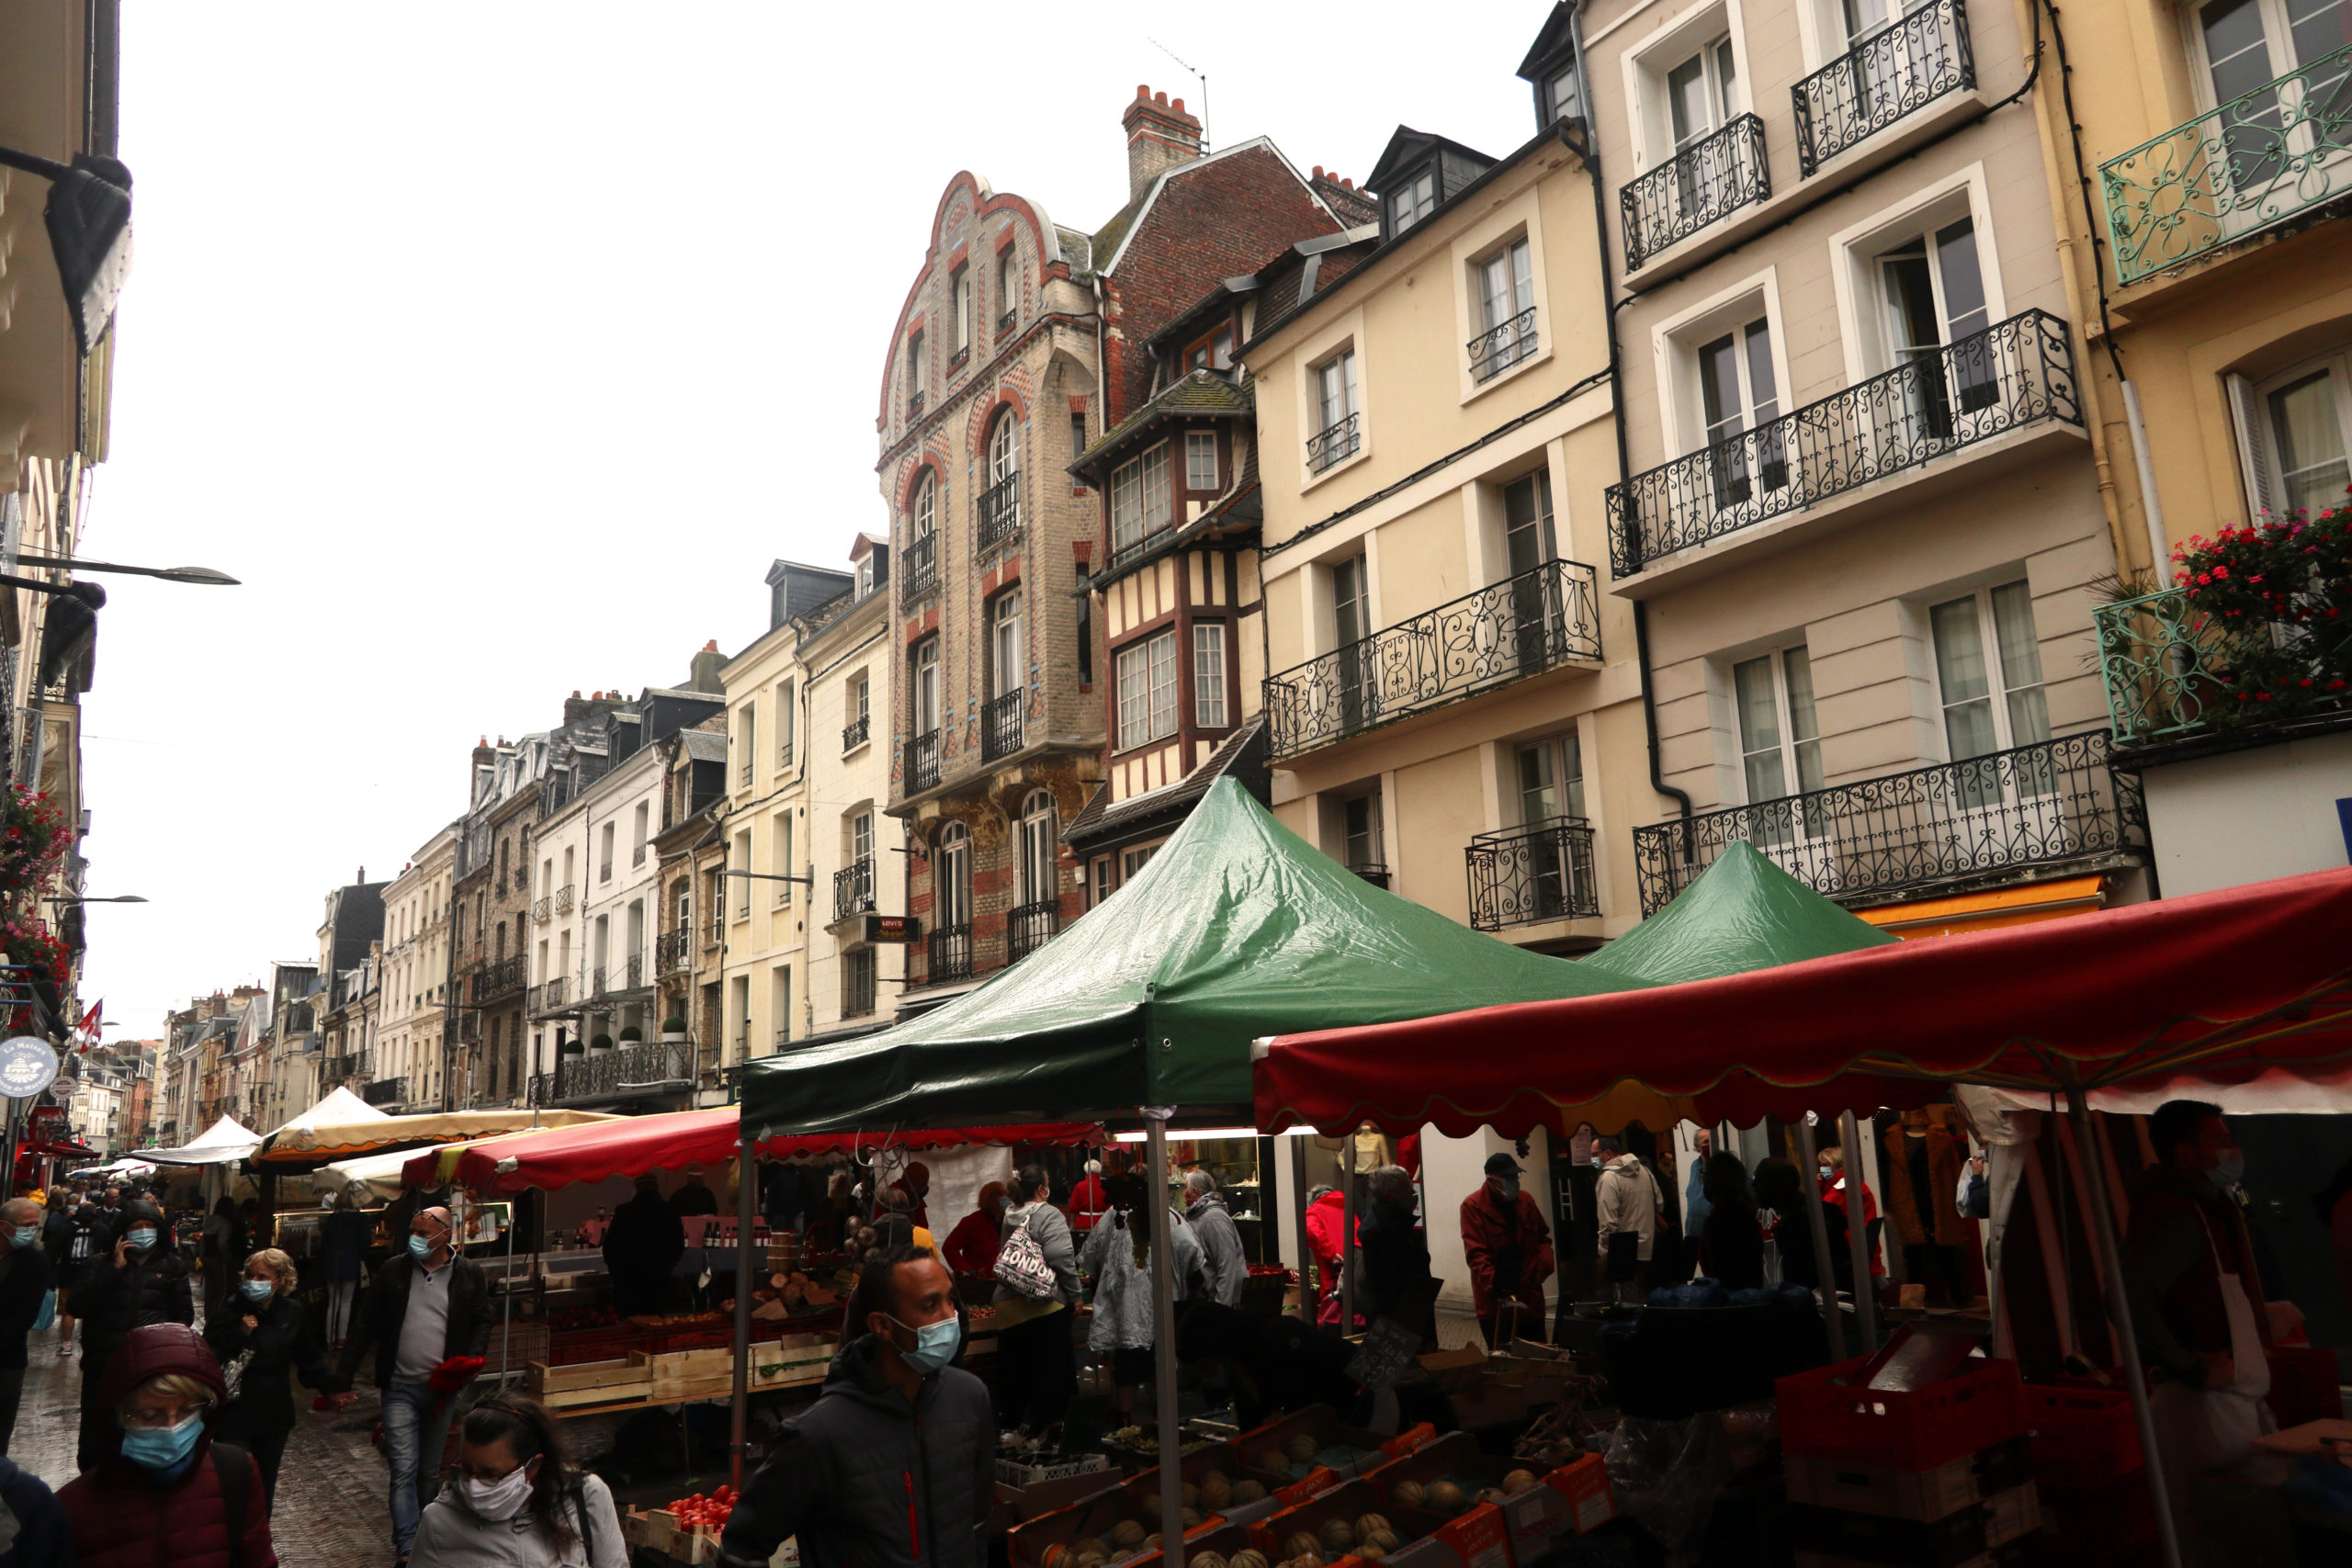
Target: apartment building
[[850, 850], [350, 940], [1861, 526], [2209, 254], [688, 852], [415, 1024]]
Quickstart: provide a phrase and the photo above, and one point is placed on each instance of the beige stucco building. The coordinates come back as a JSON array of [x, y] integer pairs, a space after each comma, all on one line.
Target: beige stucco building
[[414, 1013]]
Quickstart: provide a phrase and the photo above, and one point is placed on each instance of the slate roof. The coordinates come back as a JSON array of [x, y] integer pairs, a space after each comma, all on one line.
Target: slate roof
[[705, 745], [1242, 754], [1200, 393]]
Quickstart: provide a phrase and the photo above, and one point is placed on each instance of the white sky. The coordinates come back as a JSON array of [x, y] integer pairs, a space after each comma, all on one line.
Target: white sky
[[498, 348]]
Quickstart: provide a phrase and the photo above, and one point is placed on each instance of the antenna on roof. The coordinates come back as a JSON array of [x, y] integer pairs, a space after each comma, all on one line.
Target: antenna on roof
[[1197, 76]]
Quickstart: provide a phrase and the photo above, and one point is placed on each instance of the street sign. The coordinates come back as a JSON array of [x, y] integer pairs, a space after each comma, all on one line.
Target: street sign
[[27, 1066], [893, 929]]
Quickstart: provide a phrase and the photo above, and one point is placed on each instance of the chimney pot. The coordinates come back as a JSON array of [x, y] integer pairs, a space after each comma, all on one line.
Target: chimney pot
[[1178, 105], [1143, 90]]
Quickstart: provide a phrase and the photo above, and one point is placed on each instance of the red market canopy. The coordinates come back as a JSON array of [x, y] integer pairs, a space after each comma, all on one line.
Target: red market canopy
[[2219, 986], [559, 1156]]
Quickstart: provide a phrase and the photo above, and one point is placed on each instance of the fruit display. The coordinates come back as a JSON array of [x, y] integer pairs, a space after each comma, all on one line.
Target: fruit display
[[1409, 1495], [1444, 1497], [1214, 1490], [1301, 1448], [708, 1513], [1371, 1524], [1487, 1494], [1337, 1535], [568, 1318], [1377, 1544], [1519, 1481], [1247, 1558]]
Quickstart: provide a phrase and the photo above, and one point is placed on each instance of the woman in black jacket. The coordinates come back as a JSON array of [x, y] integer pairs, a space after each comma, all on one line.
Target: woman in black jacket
[[139, 1280], [260, 1333]]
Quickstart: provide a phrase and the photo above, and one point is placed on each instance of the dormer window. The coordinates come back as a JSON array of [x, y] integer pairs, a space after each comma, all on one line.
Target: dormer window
[[1560, 100], [1214, 352], [1414, 200], [865, 576]]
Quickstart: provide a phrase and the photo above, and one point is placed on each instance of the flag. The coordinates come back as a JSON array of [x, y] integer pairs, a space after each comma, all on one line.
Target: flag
[[86, 1034]]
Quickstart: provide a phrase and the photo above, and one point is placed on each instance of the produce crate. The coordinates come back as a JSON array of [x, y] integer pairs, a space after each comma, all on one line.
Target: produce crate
[[1928, 1493], [570, 1346], [516, 1346], [590, 1383], [1874, 1538], [1824, 1415], [2082, 1436], [689, 1336]]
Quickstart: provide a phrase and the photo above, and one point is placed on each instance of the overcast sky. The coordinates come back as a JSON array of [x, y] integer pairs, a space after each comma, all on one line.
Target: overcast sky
[[500, 347]]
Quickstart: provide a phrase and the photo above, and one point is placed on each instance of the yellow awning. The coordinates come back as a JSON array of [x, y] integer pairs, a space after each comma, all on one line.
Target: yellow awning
[[1986, 911]]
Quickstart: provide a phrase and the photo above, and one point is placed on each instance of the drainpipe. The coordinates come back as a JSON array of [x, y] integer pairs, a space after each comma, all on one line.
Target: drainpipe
[[2151, 509]]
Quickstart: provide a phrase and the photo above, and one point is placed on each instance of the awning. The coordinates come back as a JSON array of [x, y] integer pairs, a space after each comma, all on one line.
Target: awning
[[224, 1142], [1990, 911], [338, 1108], [1743, 912], [334, 1141]]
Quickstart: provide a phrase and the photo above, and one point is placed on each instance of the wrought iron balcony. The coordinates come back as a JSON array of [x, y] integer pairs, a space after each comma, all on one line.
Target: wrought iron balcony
[[856, 732], [1541, 871], [597, 987], [1003, 726], [2045, 804], [1499, 348], [1514, 628], [1000, 511], [957, 360], [386, 1091], [2013, 374], [636, 852], [563, 898], [542, 910], [650, 1067], [1029, 927], [2172, 670], [1334, 442], [919, 567], [1004, 323], [1891, 74], [1374, 873], [914, 405], [673, 950], [1706, 182], [853, 889], [950, 953], [503, 978], [2263, 159], [469, 1028], [554, 996], [923, 761], [634, 972]]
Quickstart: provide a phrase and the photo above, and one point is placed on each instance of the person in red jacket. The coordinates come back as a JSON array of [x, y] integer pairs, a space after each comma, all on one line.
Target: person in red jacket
[[165, 1496], [1509, 1248], [1327, 1209], [971, 1249], [1089, 1200]]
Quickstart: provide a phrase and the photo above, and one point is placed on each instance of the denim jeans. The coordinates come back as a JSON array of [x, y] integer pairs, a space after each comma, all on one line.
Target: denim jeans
[[416, 1420]]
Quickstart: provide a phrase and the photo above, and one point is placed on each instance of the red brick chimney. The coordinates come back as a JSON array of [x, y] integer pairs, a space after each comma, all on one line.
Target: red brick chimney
[[1161, 136]]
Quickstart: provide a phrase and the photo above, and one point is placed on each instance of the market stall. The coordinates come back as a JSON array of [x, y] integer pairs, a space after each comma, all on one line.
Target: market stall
[[305, 1145]]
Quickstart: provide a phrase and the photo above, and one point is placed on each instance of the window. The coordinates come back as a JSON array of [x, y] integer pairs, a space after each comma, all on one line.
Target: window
[[1200, 460], [1527, 522], [1779, 738], [918, 376], [861, 837], [1004, 449], [1561, 96], [1140, 497], [1214, 352], [1988, 671], [746, 726], [1008, 282], [2294, 434], [2249, 44], [742, 859], [682, 902], [1006, 665], [637, 830], [786, 721], [1084, 600], [925, 694], [1147, 675], [1506, 285], [1208, 674], [923, 521], [605, 855], [780, 1004], [864, 575], [1334, 400], [1933, 292], [960, 288], [859, 691], [1077, 435], [1040, 849], [780, 847], [1414, 200], [1350, 624], [857, 982], [1738, 392], [1702, 93], [1551, 779], [951, 878], [1359, 833]]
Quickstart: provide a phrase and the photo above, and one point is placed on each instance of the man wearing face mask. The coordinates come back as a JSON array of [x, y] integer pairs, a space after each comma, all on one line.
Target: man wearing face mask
[[25, 1280], [895, 1464], [2197, 1301], [1508, 1248], [428, 1314], [141, 1281]]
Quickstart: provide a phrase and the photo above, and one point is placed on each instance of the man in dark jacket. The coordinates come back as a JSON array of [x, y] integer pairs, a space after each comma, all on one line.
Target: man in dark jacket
[[89, 1236], [427, 1313], [141, 1281], [1509, 1248], [1396, 1255], [695, 1197], [895, 1465], [25, 1280], [641, 1246], [167, 1498]]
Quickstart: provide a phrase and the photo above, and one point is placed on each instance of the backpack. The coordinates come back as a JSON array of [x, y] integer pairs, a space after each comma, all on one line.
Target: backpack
[[84, 1245], [1020, 1265]]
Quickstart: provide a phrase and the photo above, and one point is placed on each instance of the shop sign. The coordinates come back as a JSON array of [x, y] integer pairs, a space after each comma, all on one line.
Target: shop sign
[[899, 929], [27, 1066]]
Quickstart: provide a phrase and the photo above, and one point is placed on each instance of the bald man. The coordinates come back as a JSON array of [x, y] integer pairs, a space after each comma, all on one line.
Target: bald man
[[428, 1314]]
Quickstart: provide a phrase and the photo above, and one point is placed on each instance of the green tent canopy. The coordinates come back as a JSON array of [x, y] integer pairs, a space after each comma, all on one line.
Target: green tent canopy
[[1741, 913], [1237, 929]]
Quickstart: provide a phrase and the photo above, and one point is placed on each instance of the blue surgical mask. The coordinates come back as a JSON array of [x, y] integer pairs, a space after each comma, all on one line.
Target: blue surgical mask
[[935, 1344], [2229, 1170], [141, 1237], [257, 1290], [162, 1448], [27, 1235], [419, 1247]]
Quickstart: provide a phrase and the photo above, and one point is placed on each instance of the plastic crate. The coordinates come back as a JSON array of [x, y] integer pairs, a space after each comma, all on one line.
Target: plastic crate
[[1823, 1418], [2303, 1385], [2082, 1436]]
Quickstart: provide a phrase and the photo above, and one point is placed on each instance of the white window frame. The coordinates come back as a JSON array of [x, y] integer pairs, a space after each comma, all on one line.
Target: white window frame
[[1517, 219], [1008, 280], [2257, 433], [780, 854], [1039, 845], [1008, 669], [742, 883], [959, 290], [1854, 272], [1562, 745], [925, 696], [1134, 857], [1196, 444], [951, 877], [1788, 746], [918, 363], [1209, 704], [1410, 205], [1139, 497], [1375, 836], [1675, 343], [1999, 693], [786, 722], [746, 739], [1674, 41], [1343, 334], [923, 521], [1004, 449], [1145, 670]]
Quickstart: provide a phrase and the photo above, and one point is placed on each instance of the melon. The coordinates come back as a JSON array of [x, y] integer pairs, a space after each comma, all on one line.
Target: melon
[[1369, 1524], [1377, 1541], [1190, 1515], [1444, 1498], [1488, 1495], [1409, 1495], [1248, 1492], [1301, 1448], [1303, 1543], [1189, 1496], [1273, 1462], [1209, 1560], [1054, 1556], [1337, 1535], [1215, 1493], [1127, 1532], [1519, 1481], [1248, 1557]]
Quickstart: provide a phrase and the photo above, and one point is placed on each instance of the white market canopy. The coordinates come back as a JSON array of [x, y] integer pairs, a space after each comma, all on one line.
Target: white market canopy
[[344, 1140], [338, 1108], [224, 1142]]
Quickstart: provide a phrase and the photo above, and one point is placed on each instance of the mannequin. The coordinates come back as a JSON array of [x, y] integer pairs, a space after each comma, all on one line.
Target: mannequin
[[1924, 1153]]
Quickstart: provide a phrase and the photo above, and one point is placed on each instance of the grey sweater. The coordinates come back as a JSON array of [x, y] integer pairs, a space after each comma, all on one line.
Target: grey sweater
[[1052, 1231], [451, 1535]]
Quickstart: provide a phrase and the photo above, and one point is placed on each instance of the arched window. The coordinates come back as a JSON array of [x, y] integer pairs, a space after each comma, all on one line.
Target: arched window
[[923, 516], [1004, 448], [1000, 501], [1040, 836], [951, 877]]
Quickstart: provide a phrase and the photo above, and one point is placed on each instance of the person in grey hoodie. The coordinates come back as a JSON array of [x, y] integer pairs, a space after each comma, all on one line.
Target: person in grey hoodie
[[1122, 1327], [895, 1464], [1036, 1370], [1221, 1239], [517, 1502]]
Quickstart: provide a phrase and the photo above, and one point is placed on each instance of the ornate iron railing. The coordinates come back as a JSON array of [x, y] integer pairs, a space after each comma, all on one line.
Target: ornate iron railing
[[598, 987], [1374, 874], [1515, 628], [1029, 927], [923, 761], [563, 898], [919, 567], [1499, 348], [552, 996], [1004, 323], [386, 1091], [1538, 871], [503, 978], [950, 953], [1705, 182], [542, 910], [648, 1068], [957, 360], [634, 972], [2011, 374], [914, 405], [855, 733], [2040, 804], [1893, 73], [1334, 442], [1001, 724], [853, 889], [673, 950], [2171, 671], [1000, 511], [2247, 165]]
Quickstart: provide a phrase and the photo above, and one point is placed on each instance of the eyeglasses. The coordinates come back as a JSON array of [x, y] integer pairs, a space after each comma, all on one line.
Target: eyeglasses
[[159, 1420]]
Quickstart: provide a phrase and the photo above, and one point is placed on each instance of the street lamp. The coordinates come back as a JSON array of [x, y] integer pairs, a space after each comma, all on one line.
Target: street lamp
[[77, 898], [198, 574], [88, 216]]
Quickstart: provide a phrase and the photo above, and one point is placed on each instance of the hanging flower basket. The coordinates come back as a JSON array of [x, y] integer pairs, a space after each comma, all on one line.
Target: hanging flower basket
[[32, 839], [2276, 602]]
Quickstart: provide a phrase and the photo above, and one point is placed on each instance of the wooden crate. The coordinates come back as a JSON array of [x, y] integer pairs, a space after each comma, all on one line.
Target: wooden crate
[[520, 1346], [592, 1383]]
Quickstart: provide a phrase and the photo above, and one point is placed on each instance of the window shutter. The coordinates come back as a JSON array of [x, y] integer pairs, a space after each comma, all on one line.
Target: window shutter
[[2254, 461]]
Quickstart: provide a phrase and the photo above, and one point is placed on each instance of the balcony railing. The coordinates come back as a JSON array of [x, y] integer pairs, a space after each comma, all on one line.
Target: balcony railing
[[1029, 927], [1538, 871], [2040, 805], [2011, 374], [1001, 725], [919, 567], [1374, 873], [1707, 181], [503, 978], [552, 997], [386, 1091], [1000, 511], [563, 898], [1514, 628], [923, 761], [1891, 74], [1334, 442], [853, 889], [542, 910], [957, 360], [2172, 670], [652, 1067], [1004, 323], [1499, 348], [673, 950], [855, 733], [950, 953], [914, 405], [633, 972], [597, 987], [2252, 163]]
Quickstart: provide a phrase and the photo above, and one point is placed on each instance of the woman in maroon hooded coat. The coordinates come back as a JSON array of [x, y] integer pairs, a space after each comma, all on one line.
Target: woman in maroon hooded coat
[[165, 1496]]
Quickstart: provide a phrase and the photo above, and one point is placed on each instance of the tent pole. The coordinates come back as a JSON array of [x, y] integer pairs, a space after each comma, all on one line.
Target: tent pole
[[746, 1178], [1163, 1341], [506, 1318], [2119, 1312], [1826, 1276], [1348, 1236], [1858, 1233], [1298, 1214]]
